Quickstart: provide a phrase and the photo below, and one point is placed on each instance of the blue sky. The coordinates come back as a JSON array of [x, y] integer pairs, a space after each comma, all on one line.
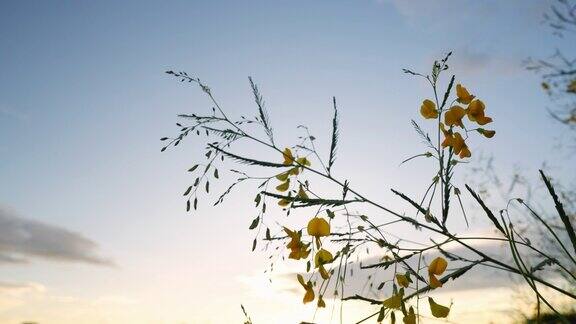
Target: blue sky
[[84, 100]]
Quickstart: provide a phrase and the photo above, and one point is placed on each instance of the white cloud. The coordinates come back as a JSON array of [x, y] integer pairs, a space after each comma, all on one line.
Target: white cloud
[[23, 239]]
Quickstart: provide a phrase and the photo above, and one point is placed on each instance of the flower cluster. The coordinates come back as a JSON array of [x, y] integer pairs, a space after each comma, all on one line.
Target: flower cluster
[[298, 164], [436, 268], [396, 301], [473, 108], [317, 227], [298, 249]]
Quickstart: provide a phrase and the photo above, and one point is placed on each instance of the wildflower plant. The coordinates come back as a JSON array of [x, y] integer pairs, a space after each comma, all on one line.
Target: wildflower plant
[[332, 236]]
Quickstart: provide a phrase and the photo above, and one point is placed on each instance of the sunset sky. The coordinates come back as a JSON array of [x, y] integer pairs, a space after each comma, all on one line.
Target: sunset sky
[[93, 227]]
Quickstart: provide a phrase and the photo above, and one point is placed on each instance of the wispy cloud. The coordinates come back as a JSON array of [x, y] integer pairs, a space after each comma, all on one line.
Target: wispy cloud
[[30, 301], [480, 62], [14, 294], [22, 240], [477, 278]]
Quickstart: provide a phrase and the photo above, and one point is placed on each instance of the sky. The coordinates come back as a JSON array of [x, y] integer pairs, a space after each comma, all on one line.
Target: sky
[[93, 224]]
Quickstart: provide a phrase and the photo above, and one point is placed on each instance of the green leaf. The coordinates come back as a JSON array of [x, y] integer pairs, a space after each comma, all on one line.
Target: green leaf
[[254, 223], [268, 237], [188, 191], [334, 136], [381, 314], [193, 168], [330, 213], [486, 210]]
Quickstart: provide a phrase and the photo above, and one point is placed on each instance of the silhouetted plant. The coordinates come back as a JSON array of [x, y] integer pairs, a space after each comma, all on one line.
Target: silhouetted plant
[[328, 241], [558, 71]]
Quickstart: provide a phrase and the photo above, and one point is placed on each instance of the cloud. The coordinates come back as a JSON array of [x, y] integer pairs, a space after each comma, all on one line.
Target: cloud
[[479, 278], [19, 288], [428, 11], [478, 62], [33, 302], [22, 240], [14, 294]]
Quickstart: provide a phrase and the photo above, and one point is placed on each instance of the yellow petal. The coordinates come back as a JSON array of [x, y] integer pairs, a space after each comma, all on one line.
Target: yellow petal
[[318, 227], [437, 309], [323, 272], [294, 171], [454, 116], [301, 280], [309, 296], [321, 303], [410, 318], [428, 109], [394, 302], [486, 132], [402, 280], [434, 282], [448, 140], [303, 161], [437, 266], [283, 176], [288, 157], [322, 257], [464, 97], [283, 186], [301, 193], [465, 152], [284, 202], [482, 120], [458, 144], [475, 112]]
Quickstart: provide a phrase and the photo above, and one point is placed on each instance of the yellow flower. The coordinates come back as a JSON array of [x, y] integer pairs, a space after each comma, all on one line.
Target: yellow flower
[[283, 186], [294, 171], [437, 309], [309, 295], [288, 157], [284, 202], [428, 109], [457, 143], [403, 280], [464, 97], [436, 268], [318, 227], [475, 112], [454, 116], [394, 302], [301, 193], [322, 257], [321, 303], [304, 161], [410, 318], [283, 176], [298, 250], [323, 272], [448, 137], [486, 132]]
